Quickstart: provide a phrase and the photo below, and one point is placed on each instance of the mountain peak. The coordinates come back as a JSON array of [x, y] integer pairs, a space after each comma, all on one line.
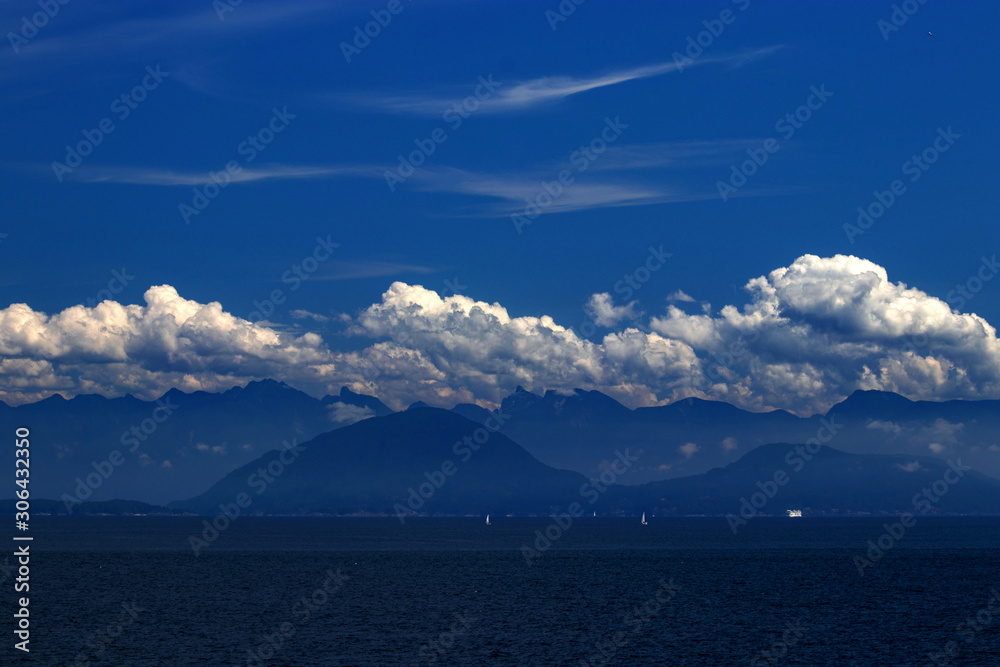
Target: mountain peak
[[873, 402], [350, 397], [255, 388], [54, 398], [519, 401], [267, 383], [346, 470], [582, 400], [702, 406]]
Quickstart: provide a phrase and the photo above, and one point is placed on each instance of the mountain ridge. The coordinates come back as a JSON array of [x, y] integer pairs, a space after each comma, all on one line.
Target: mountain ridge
[[177, 452], [440, 474]]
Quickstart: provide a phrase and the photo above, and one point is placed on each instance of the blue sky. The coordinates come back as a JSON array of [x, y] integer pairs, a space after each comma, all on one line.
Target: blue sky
[[680, 126]]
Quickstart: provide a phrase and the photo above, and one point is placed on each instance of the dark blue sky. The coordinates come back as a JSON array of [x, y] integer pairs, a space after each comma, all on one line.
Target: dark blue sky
[[682, 125]]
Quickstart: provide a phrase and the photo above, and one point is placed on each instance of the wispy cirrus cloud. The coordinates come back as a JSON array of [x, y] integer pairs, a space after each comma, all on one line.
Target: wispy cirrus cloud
[[590, 191], [301, 314], [372, 269], [265, 172], [516, 188], [675, 165], [673, 154], [595, 189], [113, 31], [512, 189], [519, 96]]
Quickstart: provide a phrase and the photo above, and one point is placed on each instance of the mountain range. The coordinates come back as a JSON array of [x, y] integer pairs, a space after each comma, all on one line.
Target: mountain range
[[581, 430], [182, 447], [777, 477], [437, 467], [173, 447]]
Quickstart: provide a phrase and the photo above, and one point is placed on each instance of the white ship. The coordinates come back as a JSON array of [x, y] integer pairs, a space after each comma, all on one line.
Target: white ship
[[794, 513]]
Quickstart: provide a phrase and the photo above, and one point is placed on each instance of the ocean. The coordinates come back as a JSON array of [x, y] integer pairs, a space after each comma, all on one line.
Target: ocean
[[522, 591]]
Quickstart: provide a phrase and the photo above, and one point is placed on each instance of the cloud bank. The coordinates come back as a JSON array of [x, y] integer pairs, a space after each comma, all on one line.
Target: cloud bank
[[808, 335]]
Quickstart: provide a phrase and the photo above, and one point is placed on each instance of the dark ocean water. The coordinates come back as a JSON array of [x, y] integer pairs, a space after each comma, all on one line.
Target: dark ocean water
[[369, 591]]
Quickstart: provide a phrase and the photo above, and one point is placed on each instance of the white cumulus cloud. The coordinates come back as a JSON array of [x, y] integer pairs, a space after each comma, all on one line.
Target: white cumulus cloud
[[809, 334], [605, 313], [824, 326]]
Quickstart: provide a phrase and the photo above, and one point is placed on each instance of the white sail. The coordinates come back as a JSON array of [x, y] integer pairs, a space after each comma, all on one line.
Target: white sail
[[644, 519], [487, 519]]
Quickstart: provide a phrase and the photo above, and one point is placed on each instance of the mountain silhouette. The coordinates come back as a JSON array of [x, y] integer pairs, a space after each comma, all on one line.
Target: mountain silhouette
[[425, 461], [173, 447]]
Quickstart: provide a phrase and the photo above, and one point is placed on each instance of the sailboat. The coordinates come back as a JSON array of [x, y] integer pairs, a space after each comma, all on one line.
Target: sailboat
[[487, 519], [644, 519]]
